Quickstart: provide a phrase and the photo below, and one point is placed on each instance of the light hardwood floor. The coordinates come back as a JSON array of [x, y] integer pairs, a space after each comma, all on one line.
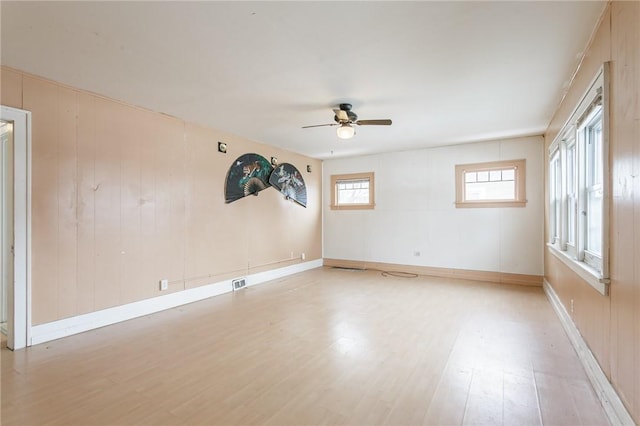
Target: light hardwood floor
[[325, 346]]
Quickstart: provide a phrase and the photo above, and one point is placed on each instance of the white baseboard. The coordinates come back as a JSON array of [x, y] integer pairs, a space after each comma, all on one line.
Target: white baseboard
[[613, 407], [273, 274], [78, 324]]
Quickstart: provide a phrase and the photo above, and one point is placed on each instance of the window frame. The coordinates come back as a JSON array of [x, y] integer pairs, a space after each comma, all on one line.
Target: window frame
[[555, 199], [594, 117], [520, 199], [592, 109], [570, 201], [335, 179]]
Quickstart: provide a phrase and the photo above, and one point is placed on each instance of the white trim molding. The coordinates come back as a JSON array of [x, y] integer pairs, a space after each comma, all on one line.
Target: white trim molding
[[81, 323], [613, 407], [19, 294]]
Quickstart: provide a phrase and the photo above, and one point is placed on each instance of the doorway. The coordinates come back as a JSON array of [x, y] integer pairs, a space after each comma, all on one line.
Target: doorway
[[15, 318]]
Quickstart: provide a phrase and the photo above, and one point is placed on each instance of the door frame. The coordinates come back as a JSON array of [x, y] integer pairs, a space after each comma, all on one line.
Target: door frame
[[19, 295]]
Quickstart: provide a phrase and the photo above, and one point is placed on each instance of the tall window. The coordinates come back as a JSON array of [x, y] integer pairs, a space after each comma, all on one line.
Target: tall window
[[352, 191], [555, 198], [591, 138], [578, 188], [571, 200]]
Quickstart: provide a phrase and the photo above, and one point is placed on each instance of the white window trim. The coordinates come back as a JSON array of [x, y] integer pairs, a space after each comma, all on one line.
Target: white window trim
[[597, 279]]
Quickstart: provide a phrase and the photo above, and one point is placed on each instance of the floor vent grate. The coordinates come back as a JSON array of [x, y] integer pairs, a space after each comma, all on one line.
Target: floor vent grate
[[238, 284]]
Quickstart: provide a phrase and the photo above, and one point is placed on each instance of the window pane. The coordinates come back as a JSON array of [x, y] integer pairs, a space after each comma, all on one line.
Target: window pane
[[592, 133], [353, 191], [554, 197], [571, 161], [572, 204], [571, 220], [483, 176], [495, 175], [353, 196], [490, 191], [593, 147], [596, 137], [594, 221], [470, 177], [508, 174]]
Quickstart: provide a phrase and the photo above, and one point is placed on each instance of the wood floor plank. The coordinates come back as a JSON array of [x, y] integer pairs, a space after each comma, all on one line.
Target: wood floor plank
[[486, 399], [520, 401], [450, 400], [325, 346]]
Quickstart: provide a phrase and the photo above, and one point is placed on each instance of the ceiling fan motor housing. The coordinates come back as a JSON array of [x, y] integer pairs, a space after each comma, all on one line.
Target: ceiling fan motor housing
[[352, 116]]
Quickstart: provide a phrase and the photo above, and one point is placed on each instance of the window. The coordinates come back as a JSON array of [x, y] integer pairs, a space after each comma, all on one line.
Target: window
[[571, 198], [578, 176], [352, 191], [497, 184], [591, 139], [554, 198]]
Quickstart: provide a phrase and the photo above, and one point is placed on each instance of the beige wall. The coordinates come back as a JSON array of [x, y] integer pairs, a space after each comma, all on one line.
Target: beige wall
[[123, 197], [611, 325]]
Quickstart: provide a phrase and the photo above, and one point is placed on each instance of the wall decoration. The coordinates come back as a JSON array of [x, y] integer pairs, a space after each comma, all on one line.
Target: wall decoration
[[248, 175], [288, 180]]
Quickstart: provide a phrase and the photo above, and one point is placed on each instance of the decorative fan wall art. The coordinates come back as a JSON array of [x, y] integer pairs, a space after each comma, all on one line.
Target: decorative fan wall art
[[288, 180], [248, 175]]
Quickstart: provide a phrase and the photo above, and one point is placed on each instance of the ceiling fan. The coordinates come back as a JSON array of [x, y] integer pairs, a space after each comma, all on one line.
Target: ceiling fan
[[345, 119]]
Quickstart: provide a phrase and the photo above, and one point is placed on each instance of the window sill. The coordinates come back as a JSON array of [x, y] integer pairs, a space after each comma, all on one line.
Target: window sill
[[489, 204], [587, 273], [354, 207]]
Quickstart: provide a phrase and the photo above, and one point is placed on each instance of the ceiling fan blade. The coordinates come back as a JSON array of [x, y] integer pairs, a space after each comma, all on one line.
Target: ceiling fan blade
[[385, 122], [320, 125], [341, 114]]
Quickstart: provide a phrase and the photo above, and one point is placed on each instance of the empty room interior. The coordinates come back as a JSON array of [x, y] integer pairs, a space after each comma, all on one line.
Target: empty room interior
[[318, 212]]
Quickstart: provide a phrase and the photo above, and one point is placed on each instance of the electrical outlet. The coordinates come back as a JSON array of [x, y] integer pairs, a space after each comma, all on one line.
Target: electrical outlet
[[164, 285], [571, 305], [302, 256]]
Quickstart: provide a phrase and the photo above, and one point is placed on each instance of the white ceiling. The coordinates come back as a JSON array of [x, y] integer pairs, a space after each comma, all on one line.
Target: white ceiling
[[444, 72]]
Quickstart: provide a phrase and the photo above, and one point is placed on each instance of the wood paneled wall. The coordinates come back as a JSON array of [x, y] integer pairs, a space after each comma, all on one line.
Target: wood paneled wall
[[123, 197], [611, 325]]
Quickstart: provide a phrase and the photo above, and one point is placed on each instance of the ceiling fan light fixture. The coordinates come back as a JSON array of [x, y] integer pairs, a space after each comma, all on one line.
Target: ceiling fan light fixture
[[345, 131]]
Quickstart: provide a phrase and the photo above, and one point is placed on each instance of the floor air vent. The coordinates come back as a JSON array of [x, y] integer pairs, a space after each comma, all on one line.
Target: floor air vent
[[238, 284]]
